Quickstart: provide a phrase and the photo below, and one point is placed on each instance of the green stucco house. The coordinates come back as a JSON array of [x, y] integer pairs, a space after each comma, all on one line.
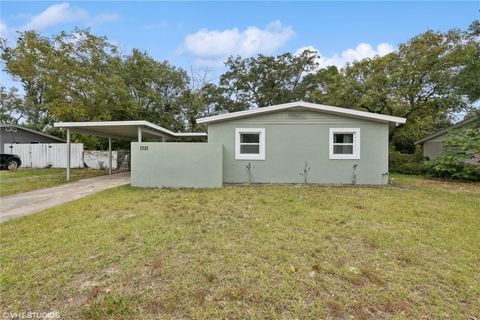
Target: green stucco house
[[295, 142]]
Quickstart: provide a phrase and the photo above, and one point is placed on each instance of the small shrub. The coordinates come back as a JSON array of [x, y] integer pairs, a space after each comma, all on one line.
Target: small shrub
[[354, 173], [249, 168], [306, 171], [449, 166], [406, 163], [460, 157]]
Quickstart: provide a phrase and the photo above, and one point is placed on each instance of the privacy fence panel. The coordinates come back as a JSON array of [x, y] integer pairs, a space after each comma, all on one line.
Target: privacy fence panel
[[42, 155]]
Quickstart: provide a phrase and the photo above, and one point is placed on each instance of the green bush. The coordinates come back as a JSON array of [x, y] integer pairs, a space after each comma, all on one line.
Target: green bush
[[458, 161], [450, 166], [406, 163]]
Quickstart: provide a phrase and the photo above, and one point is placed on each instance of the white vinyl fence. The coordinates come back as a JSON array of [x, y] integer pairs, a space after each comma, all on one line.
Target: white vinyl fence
[[99, 159], [42, 155]]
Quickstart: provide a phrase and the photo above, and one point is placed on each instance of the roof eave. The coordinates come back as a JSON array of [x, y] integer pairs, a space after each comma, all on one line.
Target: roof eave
[[444, 131], [138, 123], [33, 131], [317, 107]]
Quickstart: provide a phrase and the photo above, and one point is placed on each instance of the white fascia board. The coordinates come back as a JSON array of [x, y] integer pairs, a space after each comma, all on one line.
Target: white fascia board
[[136, 123], [95, 123], [312, 106], [191, 134], [98, 124]]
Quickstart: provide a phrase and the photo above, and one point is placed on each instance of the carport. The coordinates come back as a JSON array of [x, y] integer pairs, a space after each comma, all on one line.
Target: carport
[[124, 130]]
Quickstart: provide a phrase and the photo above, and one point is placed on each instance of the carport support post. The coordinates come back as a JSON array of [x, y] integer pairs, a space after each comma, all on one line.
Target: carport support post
[[68, 154], [139, 134], [109, 155]]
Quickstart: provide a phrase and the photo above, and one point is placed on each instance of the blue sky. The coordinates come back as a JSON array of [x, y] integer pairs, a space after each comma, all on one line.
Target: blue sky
[[202, 34]]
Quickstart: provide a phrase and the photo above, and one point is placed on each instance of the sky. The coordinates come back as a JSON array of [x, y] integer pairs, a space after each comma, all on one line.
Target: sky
[[202, 34]]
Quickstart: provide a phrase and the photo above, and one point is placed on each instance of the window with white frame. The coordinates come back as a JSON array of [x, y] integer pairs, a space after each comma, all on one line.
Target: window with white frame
[[344, 143], [250, 144]]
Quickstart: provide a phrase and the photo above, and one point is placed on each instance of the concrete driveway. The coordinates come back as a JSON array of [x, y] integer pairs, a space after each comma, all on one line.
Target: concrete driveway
[[22, 204]]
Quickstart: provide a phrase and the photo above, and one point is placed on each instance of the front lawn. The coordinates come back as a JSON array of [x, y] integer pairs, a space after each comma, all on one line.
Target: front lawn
[[410, 250], [24, 179]]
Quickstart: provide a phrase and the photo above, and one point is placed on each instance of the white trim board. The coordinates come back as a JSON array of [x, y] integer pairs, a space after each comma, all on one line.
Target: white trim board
[[250, 156], [135, 123], [305, 105], [356, 144]]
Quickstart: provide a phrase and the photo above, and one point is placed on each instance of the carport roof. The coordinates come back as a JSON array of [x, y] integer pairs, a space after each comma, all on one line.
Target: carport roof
[[126, 130]]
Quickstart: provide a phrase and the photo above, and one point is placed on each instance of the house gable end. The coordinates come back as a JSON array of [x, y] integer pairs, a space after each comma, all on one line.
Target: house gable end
[[306, 106]]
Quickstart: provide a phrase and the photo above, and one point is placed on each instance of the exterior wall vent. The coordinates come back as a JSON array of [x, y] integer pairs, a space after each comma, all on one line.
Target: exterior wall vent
[[297, 115], [10, 129]]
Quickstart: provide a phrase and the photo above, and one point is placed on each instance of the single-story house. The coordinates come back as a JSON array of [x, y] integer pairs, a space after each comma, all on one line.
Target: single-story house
[[13, 134], [433, 145], [288, 143]]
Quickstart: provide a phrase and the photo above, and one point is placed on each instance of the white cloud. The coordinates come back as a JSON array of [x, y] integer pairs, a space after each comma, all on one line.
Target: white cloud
[[384, 49], [3, 29], [104, 17], [6, 32], [215, 45], [56, 14], [360, 52]]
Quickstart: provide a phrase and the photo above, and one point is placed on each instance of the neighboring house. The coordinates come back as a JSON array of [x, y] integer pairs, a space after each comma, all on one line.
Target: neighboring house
[[433, 145], [277, 144], [13, 134]]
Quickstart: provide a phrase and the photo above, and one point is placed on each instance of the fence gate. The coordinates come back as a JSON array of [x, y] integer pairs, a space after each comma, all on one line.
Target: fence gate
[[42, 155]]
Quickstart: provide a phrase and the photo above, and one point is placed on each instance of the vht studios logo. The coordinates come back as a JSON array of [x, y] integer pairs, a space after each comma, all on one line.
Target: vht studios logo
[[31, 315], [143, 148]]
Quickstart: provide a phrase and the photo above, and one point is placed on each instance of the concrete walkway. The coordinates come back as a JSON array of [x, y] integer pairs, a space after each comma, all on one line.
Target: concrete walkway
[[23, 204]]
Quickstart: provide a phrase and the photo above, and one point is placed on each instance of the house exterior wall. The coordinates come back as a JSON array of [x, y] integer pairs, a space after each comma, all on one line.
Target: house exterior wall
[[293, 137], [433, 148], [176, 165], [21, 136]]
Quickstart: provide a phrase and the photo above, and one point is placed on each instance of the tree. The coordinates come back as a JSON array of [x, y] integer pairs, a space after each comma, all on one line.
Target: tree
[[198, 99], [156, 88], [28, 63], [460, 158], [264, 80], [468, 79], [84, 79], [12, 107], [328, 87], [417, 82], [78, 76]]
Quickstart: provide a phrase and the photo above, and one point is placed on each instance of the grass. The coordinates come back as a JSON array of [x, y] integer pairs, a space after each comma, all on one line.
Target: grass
[[24, 180], [409, 251]]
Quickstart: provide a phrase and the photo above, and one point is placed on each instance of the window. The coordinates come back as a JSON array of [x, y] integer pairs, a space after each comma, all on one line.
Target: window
[[344, 143], [250, 144]]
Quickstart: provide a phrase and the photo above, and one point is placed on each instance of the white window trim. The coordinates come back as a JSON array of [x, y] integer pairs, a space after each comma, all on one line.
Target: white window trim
[[356, 143], [249, 156]]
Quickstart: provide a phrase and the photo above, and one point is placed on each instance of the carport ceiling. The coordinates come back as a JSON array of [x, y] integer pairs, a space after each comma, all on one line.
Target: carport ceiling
[[125, 130]]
